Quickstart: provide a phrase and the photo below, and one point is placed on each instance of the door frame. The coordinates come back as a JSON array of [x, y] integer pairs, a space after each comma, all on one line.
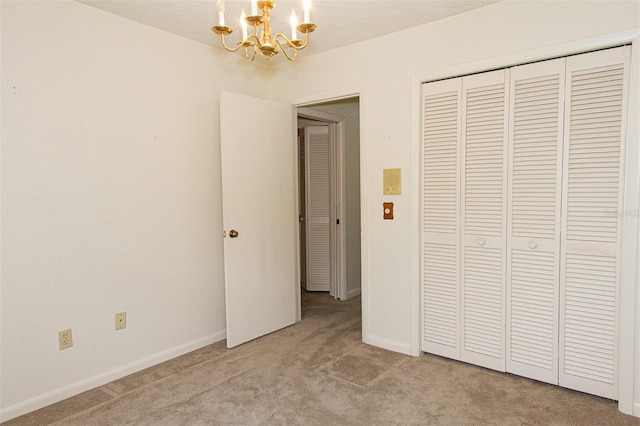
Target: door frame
[[337, 196], [335, 95]]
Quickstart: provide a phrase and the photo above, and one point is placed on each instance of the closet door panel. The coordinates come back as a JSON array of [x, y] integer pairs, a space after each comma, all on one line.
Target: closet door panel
[[318, 226], [533, 242], [483, 214], [440, 223], [595, 118]]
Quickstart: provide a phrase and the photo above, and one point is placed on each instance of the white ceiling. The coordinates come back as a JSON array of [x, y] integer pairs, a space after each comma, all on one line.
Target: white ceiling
[[340, 22]]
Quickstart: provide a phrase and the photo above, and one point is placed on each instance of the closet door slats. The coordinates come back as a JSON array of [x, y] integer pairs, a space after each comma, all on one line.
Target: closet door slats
[[595, 116], [535, 149], [318, 225], [522, 201], [483, 171], [440, 225]]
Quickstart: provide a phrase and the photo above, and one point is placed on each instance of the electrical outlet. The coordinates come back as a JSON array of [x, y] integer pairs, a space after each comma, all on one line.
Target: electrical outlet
[[121, 320], [65, 339]]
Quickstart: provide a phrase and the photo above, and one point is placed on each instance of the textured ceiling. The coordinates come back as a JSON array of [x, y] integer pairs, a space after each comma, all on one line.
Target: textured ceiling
[[340, 22]]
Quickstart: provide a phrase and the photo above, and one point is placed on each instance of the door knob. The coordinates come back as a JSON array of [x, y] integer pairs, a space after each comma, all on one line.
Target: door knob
[[233, 233]]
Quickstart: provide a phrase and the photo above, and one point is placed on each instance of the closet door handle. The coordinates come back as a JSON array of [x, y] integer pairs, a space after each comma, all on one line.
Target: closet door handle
[[481, 241], [532, 244]]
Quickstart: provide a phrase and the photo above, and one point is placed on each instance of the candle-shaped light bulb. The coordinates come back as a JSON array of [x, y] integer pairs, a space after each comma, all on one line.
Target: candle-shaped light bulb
[[307, 7], [254, 7], [243, 24], [294, 24], [220, 7]]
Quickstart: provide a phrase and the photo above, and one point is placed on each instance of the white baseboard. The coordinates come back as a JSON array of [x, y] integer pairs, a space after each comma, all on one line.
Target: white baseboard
[[636, 409], [106, 377], [388, 344], [352, 293]]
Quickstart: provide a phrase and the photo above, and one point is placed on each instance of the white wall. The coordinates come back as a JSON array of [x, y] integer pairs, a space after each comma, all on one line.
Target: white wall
[[111, 197], [387, 71]]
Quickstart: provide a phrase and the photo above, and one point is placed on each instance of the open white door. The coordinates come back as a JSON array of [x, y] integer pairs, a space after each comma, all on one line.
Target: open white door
[[259, 216]]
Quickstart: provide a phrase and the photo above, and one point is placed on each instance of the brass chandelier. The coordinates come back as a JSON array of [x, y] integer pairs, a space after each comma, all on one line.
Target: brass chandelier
[[264, 43]]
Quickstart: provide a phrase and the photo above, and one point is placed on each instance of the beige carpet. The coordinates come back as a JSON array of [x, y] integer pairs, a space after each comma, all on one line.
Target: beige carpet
[[318, 372]]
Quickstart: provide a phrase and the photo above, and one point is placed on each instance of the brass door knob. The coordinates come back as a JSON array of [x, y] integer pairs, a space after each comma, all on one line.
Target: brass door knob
[[233, 233]]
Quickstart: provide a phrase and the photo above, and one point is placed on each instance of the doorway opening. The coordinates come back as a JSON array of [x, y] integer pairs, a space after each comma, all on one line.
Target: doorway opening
[[329, 198]]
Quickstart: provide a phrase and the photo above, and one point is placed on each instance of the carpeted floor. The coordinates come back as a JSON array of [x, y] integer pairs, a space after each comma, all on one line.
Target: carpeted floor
[[318, 372]]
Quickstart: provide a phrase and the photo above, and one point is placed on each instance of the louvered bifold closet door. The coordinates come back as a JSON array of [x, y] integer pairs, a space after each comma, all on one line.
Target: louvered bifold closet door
[[484, 220], [533, 231], [317, 208], [595, 122], [440, 223]]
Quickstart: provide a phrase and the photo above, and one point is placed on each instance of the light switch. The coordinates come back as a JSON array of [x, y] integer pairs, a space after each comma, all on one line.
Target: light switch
[[392, 181], [387, 211]]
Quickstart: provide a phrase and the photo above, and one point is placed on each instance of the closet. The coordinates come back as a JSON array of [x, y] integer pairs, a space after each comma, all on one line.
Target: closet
[[521, 189], [316, 205]]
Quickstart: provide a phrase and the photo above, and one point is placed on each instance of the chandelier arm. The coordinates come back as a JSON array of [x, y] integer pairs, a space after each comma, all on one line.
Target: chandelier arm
[[294, 44], [246, 41], [306, 41], [246, 54], [284, 50], [227, 47]]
